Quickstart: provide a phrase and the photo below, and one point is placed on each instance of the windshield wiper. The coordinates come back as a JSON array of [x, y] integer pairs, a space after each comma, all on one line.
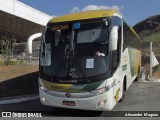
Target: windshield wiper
[[81, 70], [74, 57]]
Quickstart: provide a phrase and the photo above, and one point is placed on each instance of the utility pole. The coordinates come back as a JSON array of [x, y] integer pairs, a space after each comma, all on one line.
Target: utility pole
[[151, 60]]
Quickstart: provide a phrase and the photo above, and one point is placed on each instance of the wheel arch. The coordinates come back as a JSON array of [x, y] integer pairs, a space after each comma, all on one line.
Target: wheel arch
[[125, 82]]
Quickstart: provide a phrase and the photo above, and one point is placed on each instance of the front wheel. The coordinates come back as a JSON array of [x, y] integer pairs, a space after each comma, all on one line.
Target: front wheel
[[137, 74]]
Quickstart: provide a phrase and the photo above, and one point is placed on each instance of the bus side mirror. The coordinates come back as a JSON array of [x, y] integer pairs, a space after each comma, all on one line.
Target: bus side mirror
[[30, 41], [113, 38]]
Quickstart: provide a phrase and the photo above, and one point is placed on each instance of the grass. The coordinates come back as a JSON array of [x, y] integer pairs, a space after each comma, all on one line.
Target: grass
[[156, 74], [155, 70], [11, 71], [18, 80], [154, 37], [146, 51], [146, 39]]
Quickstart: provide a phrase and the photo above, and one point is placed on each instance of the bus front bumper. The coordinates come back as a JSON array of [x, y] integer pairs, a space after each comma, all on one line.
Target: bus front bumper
[[101, 102]]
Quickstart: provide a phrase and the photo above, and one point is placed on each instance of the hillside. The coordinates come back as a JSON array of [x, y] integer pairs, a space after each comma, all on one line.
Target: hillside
[[150, 24], [149, 31]]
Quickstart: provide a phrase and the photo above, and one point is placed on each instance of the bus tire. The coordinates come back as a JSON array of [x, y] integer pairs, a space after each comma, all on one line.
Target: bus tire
[[137, 78]]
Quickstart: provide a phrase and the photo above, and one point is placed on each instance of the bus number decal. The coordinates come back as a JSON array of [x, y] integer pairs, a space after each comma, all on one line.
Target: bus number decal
[[124, 67], [56, 87], [117, 95]]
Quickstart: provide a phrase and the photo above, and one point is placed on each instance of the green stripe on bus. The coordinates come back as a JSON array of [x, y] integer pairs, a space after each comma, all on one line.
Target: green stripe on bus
[[92, 86], [132, 61]]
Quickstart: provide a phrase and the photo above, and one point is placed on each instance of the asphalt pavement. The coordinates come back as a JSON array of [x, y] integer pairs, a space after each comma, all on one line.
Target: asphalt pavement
[[143, 95]]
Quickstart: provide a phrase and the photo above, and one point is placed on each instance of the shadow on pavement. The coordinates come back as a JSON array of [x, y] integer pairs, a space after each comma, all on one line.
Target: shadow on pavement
[[36, 107], [62, 112], [22, 85]]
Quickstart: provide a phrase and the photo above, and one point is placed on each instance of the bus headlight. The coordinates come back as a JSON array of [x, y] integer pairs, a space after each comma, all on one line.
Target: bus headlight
[[109, 87], [102, 90], [98, 91], [42, 87]]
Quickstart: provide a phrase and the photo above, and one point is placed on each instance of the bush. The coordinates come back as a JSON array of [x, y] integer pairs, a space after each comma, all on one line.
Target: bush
[[1, 62], [12, 62]]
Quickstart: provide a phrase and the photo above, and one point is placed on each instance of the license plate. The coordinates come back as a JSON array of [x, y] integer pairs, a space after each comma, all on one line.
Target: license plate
[[69, 103]]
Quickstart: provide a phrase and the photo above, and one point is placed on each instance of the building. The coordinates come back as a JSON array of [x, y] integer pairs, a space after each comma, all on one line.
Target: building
[[21, 21]]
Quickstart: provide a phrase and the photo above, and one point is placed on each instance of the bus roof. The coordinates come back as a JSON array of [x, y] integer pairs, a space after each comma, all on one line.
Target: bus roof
[[84, 15]]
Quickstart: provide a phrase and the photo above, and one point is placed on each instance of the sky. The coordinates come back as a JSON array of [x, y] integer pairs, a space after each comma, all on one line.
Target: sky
[[133, 10]]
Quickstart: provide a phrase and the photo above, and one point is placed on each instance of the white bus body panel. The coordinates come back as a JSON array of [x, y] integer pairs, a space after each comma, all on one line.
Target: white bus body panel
[[83, 103]]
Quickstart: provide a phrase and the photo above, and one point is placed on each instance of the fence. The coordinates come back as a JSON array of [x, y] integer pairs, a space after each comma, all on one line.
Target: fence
[[20, 55]]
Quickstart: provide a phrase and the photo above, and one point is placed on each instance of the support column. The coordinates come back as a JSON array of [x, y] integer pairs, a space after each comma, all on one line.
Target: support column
[[151, 59]]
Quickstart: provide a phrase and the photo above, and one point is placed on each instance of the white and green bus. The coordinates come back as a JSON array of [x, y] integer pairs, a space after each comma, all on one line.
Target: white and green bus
[[88, 60]]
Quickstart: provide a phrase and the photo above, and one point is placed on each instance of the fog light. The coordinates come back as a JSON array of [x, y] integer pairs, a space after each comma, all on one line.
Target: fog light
[[42, 88], [43, 99], [102, 103]]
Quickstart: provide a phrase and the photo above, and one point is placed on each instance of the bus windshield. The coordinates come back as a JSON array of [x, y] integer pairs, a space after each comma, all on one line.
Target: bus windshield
[[75, 50]]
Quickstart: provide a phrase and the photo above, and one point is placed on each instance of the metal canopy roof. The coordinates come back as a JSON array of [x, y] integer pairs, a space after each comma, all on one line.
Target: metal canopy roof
[[21, 20], [19, 27]]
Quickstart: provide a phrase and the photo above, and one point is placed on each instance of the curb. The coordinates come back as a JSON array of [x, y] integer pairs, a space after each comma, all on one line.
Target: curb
[[17, 99], [143, 78], [152, 80]]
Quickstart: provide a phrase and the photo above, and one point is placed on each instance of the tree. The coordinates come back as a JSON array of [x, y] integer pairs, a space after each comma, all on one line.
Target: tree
[[7, 45]]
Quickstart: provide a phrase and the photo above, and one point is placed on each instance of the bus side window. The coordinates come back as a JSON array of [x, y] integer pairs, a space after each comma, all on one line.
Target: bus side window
[[130, 39]]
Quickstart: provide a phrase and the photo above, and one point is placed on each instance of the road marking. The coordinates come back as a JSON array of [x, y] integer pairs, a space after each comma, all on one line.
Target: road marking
[[17, 100]]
